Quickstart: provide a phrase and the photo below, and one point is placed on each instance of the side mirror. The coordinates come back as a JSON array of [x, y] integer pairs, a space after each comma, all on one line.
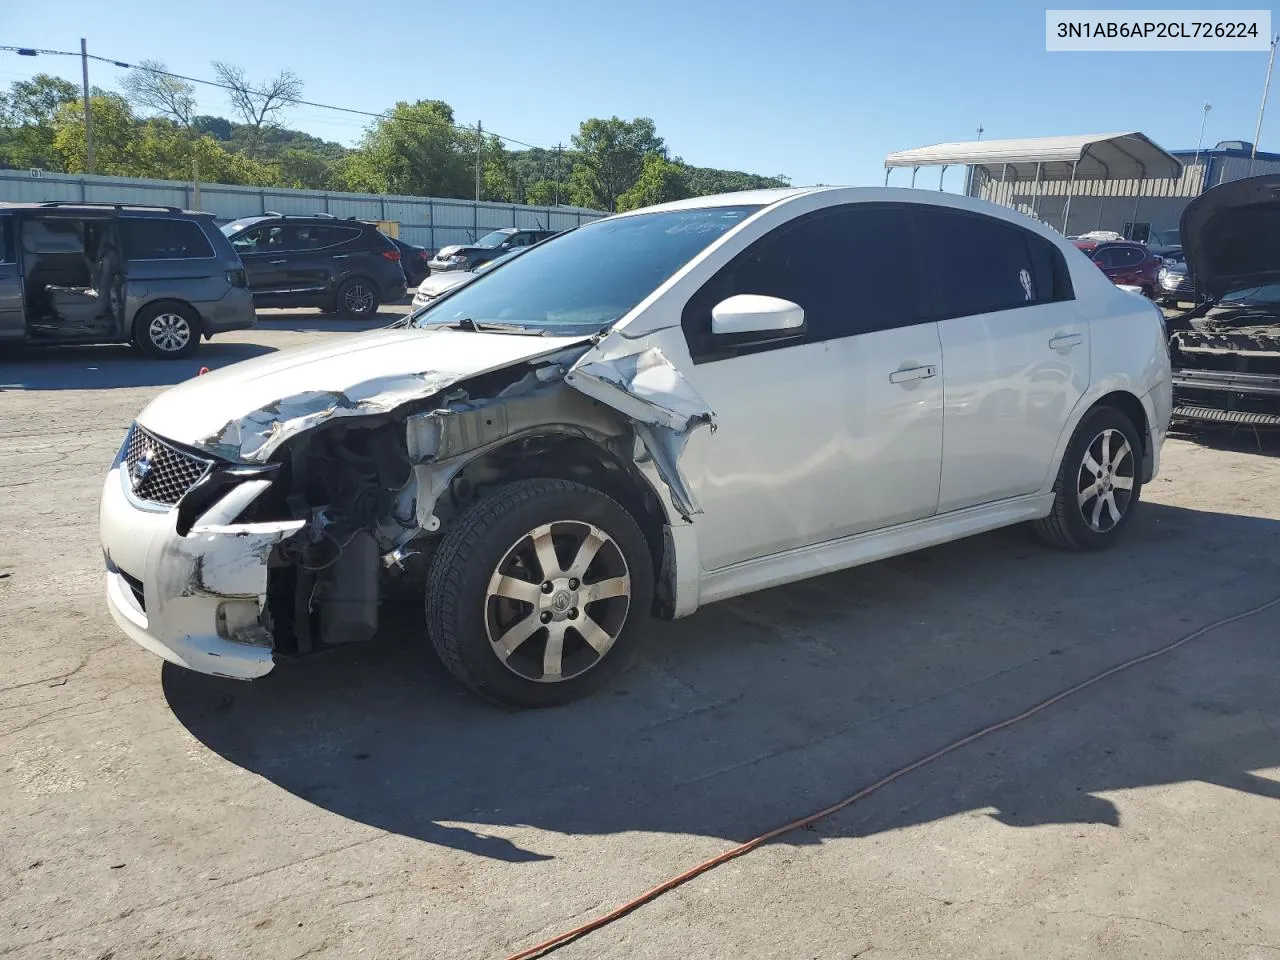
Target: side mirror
[[505, 245], [756, 313]]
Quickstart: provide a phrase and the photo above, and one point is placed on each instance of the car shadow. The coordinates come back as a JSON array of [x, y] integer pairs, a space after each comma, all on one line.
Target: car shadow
[[757, 710], [112, 366], [1238, 438]]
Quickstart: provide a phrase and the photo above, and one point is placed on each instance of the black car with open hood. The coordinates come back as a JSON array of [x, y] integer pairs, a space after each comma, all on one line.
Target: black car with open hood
[[1226, 352]]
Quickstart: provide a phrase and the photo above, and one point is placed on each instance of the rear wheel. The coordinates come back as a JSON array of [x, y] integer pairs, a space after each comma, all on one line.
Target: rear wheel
[[533, 594], [357, 299], [167, 331], [1098, 485]]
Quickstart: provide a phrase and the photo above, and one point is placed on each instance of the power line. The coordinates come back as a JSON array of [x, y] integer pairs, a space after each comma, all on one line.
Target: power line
[[35, 51]]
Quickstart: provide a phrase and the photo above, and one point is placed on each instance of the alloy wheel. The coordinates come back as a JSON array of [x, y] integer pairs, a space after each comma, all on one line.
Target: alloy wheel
[[169, 332], [358, 299], [1105, 486], [557, 601]]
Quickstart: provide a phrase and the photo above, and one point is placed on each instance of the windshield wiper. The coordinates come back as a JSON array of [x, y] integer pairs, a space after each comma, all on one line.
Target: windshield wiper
[[466, 323]]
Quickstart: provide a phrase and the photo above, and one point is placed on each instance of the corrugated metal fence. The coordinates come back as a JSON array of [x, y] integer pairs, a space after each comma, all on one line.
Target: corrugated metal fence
[[427, 221]]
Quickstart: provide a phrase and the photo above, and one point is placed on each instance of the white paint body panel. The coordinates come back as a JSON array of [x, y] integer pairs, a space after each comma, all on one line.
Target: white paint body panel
[[819, 461]]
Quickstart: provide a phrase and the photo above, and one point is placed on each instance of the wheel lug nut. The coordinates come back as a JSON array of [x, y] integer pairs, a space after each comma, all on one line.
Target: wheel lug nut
[[546, 586], [573, 613], [545, 618], [573, 583]]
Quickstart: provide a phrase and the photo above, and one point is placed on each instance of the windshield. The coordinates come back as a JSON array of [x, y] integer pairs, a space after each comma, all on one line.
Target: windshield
[[490, 264], [235, 226], [589, 277], [1268, 294], [495, 239]]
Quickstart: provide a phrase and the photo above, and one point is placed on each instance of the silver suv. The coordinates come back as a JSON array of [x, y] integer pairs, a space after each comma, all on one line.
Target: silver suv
[[157, 277]]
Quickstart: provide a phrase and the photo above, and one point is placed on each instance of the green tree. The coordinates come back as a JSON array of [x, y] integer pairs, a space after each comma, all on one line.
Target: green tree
[[26, 121], [415, 151], [114, 130], [612, 154], [660, 180], [543, 193], [165, 151], [303, 169]]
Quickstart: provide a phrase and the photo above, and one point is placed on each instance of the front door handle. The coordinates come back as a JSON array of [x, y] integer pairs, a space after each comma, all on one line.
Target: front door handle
[[274, 262], [341, 256], [907, 374], [1065, 341]]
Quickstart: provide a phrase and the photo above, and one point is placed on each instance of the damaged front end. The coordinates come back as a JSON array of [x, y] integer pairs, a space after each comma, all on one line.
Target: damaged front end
[[338, 498], [1226, 368]]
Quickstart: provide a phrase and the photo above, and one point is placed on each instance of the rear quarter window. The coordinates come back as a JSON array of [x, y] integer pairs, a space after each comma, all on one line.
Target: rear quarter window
[[982, 264], [157, 239]]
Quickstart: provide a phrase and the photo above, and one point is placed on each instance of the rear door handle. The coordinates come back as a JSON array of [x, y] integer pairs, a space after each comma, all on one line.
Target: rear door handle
[[341, 256], [273, 262], [1065, 341], [907, 374]]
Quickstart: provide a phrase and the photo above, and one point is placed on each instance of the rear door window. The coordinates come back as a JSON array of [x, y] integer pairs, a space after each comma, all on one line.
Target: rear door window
[[158, 239], [980, 264], [852, 269], [7, 253]]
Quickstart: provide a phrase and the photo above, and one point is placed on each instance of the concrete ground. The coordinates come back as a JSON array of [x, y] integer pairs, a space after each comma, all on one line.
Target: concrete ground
[[359, 804]]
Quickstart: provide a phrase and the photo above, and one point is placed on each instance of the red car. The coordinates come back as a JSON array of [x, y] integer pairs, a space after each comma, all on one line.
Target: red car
[[1124, 261]]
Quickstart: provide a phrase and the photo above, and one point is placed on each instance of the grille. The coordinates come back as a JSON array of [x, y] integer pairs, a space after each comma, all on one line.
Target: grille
[[157, 471]]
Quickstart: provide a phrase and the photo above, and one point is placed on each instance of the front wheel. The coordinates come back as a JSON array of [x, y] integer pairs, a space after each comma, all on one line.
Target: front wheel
[[357, 299], [533, 594], [1098, 484], [167, 331]]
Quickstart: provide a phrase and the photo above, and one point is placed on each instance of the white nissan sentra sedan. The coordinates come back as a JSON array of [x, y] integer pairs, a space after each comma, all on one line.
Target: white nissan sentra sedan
[[649, 413]]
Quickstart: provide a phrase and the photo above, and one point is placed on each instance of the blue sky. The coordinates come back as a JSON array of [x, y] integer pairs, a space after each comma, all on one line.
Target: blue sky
[[819, 91]]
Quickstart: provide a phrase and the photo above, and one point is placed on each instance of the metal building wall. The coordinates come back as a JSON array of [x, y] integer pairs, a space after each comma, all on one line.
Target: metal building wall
[[427, 221]]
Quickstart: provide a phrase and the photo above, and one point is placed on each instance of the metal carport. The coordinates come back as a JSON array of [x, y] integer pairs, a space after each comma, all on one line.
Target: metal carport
[[1037, 160]]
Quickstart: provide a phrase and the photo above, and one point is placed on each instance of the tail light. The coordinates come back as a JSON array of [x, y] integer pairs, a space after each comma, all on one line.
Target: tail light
[[422, 255], [237, 277], [392, 254]]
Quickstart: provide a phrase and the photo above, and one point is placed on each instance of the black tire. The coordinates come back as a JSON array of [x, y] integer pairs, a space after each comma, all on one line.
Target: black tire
[[167, 331], [463, 613], [1080, 523], [357, 299]]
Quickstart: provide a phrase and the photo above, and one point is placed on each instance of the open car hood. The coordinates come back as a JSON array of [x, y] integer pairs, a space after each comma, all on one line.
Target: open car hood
[[1231, 236]]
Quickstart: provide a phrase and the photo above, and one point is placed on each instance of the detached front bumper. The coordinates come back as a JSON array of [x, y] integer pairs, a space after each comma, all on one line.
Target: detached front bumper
[[196, 600]]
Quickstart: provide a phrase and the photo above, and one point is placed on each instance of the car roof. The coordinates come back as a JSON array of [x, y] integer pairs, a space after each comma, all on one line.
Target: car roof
[[106, 209]]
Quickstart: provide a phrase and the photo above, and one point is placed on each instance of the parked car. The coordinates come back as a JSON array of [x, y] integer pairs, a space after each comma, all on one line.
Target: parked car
[[489, 247], [536, 450], [157, 277], [414, 260], [1226, 351], [1175, 281], [438, 283], [344, 266], [1125, 262]]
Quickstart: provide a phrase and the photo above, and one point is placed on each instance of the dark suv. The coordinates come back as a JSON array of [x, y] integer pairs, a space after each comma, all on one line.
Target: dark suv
[[468, 256], [344, 266], [158, 277]]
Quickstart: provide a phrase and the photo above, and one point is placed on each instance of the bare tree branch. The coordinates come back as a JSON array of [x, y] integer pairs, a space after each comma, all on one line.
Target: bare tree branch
[[148, 86], [258, 105]]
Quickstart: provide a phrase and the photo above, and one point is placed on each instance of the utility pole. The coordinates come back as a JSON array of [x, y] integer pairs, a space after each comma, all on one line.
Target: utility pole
[[1200, 141], [557, 174], [88, 118], [1266, 86], [479, 150]]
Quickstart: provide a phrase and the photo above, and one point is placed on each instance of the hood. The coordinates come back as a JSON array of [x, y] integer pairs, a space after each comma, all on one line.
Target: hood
[[245, 411], [450, 250], [438, 283], [1231, 236]]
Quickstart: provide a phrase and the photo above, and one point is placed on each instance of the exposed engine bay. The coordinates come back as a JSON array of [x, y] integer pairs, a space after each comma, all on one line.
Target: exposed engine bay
[[375, 493], [1226, 360]]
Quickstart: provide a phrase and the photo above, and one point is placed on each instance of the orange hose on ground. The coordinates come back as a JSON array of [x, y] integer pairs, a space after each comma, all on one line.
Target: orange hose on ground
[[562, 939]]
